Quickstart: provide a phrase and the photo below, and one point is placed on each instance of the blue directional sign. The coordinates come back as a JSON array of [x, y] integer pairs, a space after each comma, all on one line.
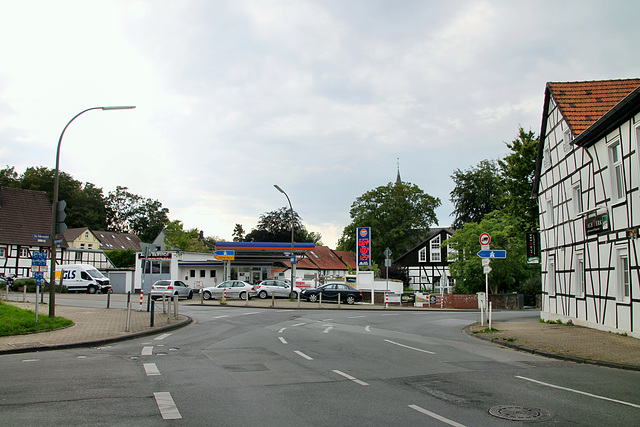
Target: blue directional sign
[[492, 254]]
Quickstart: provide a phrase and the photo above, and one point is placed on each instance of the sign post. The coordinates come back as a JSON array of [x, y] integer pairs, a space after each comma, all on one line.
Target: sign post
[[487, 255], [38, 268], [363, 252]]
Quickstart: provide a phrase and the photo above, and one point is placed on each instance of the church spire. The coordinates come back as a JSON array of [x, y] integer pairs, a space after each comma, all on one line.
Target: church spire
[[398, 179]]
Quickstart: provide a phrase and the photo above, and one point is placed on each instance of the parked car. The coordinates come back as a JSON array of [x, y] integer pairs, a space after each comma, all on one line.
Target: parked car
[[333, 291], [233, 288], [278, 288], [170, 288]]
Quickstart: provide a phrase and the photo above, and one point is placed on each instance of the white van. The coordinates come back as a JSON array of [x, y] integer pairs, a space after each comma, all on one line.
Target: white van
[[81, 278]]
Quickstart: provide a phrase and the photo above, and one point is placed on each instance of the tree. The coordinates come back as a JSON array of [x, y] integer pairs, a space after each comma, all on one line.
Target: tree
[[130, 213], [275, 226], [238, 233], [518, 169], [400, 215], [9, 177], [122, 258], [506, 275], [176, 237], [478, 191]]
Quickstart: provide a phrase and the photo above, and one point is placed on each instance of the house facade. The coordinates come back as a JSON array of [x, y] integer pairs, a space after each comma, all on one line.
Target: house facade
[[25, 217], [426, 264], [587, 186]]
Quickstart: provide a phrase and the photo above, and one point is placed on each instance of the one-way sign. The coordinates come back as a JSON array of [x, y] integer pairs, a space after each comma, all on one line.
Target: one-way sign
[[492, 254]]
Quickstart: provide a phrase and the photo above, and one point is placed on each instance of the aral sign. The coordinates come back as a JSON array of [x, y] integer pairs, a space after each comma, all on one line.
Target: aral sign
[[363, 242]]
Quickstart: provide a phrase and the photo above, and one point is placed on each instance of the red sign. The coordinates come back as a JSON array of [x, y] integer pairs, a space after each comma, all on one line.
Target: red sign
[[363, 236]]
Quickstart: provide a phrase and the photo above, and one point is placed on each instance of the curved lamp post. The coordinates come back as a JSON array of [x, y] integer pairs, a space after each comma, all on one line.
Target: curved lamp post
[[293, 258], [54, 219]]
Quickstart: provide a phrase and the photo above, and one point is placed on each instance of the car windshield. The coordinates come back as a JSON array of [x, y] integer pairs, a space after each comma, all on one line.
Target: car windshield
[[162, 283], [95, 273]]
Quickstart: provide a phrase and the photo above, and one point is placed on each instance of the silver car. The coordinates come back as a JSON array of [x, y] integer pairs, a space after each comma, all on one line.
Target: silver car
[[170, 288], [230, 289], [277, 288]]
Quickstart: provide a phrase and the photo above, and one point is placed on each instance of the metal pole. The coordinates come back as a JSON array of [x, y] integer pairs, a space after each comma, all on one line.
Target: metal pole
[[152, 319], [293, 257]]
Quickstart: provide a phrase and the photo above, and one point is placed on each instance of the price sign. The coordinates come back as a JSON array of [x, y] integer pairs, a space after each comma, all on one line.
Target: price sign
[[363, 239]]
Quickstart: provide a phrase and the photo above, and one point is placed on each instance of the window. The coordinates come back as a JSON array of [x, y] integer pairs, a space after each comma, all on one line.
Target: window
[[436, 253], [577, 198], [566, 141], [24, 253], [623, 276], [212, 273], [422, 255], [90, 246], [81, 245], [166, 267], [551, 276], [617, 172], [579, 275], [3, 252], [192, 273], [203, 273], [549, 213]]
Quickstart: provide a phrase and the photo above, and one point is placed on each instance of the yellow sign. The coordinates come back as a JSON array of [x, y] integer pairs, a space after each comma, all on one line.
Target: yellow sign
[[225, 257]]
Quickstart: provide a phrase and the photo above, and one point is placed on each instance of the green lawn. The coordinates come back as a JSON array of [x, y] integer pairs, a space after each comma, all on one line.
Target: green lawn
[[18, 321]]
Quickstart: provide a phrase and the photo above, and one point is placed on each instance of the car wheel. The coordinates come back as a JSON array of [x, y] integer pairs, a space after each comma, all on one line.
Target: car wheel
[[243, 295], [206, 295], [295, 295], [91, 289], [312, 298], [351, 299], [190, 295], [262, 294]]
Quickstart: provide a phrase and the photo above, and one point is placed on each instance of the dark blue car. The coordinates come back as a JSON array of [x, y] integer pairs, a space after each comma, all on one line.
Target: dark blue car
[[333, 291]]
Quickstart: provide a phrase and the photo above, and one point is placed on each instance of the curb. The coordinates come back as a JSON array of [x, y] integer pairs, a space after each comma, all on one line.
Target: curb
[[467, 331], [94, 343]]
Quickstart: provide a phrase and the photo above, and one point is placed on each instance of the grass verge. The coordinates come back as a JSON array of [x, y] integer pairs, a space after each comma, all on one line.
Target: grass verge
[[18, 321]]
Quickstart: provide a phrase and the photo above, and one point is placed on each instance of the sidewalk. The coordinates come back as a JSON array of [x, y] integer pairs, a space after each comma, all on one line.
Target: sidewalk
[[93, 327]]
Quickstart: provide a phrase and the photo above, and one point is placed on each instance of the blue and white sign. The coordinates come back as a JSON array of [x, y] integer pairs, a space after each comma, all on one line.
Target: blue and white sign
[[363, 238], [493, 254]]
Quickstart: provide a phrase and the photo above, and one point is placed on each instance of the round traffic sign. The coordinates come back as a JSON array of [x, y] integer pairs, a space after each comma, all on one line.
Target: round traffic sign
[[485, 239]]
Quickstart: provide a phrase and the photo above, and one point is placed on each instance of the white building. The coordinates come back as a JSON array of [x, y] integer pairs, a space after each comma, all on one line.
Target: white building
[[587, 185]]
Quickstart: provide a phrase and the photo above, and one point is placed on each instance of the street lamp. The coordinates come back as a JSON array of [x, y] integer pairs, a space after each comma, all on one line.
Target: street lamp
[[54, 212], [293, 258]]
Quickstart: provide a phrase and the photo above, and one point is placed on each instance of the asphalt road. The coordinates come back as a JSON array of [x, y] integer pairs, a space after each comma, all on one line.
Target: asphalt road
[[241, 366]]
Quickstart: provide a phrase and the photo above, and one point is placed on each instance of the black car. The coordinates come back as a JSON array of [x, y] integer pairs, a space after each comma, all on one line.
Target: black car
[[333, 291]]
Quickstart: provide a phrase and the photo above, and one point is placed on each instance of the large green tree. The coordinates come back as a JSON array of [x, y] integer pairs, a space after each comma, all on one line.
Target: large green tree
[[400, 214], [275, 226], [478, 191], [130, 213]]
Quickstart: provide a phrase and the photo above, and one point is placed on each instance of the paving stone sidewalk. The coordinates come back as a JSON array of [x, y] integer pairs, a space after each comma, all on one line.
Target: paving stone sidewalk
[[91, 326]]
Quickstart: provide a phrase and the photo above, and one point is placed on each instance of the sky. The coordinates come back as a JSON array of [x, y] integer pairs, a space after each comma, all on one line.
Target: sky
[[323, 98]]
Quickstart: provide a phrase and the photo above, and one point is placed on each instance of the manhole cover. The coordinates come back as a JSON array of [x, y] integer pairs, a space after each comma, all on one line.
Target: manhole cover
[[520, 413]]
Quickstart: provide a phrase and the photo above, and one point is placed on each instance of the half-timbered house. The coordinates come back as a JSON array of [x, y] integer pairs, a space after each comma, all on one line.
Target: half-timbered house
[[426, 264], [587, 186]]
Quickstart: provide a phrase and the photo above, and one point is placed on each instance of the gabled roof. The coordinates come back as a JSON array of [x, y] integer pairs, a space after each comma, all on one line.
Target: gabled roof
[[583, 103], [24, 213], [72, 234], [110, 240], [348, 258], [591, 110], [432, 233]]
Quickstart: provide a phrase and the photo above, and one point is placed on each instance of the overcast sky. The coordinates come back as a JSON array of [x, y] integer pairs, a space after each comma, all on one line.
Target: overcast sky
[[319, 97]]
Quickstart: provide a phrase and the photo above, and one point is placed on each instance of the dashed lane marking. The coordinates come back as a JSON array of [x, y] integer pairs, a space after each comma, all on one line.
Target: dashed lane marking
[[147, 350], [282, 340], [161, 337], [301, 354], [410, 348], [167, 406], [298, 324], [349, 377], [436, 416], [151, 369]]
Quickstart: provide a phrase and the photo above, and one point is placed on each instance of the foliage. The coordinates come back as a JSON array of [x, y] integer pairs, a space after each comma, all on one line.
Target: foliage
[[130, 213], [122, 258], [238, 233], [17, 321], [399, 215], [275, 226], [507, 274], [518, 169], [176, 237], [478, 191]]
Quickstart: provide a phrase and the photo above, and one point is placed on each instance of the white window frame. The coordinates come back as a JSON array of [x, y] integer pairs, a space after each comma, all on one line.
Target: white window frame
[[566, 140], [579, 276], [549, 213], [618, 190], [576, 190], [623, 274], [435, 253], [422, 255], [547, 156], [24, 253], [551, 276]]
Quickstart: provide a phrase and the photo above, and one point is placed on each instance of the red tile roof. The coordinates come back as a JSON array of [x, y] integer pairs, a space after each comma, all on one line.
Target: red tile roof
[[582, 103], [323, 258]]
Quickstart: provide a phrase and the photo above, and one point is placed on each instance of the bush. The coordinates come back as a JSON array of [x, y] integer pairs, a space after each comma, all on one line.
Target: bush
[[30, 283]]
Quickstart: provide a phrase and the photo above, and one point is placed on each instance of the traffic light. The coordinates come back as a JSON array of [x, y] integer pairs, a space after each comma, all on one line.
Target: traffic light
[[61, 215]]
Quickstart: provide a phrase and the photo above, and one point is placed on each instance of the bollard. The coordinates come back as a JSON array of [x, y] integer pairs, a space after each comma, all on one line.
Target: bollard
[[489, 315], [148, 301], [320, 302], [109, 298], [339, 299], [273, 298], [299, 298], [175, 306], [24, 293], [201, 296], [386, 300], [127, 326], [141, 297], [151, 320], [224, 295]]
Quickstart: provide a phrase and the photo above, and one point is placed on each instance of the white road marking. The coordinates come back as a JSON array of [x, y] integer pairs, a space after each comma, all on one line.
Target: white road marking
[[326, 331], [281, 330], [284, 311], [390, 314], [356, 317], [147, 351], [299, 353], [151, 369], [436, 416], [367, 328], [349, 377], [411, 348], [221, 316], [282, 340], [584, 393], [298, 324], [326, 320], [31, 360], [167, 406], [252, 312], [161, 337], [82, 357]]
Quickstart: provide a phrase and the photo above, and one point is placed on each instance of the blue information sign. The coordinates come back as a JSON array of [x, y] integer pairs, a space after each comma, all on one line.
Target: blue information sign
[[492, 254]]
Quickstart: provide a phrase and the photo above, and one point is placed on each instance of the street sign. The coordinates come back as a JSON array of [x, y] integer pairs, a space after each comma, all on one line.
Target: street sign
[[225, 255], [485, 239], [492, 254], [41, 236], [486, 262], [387, 253], [487, 270]]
